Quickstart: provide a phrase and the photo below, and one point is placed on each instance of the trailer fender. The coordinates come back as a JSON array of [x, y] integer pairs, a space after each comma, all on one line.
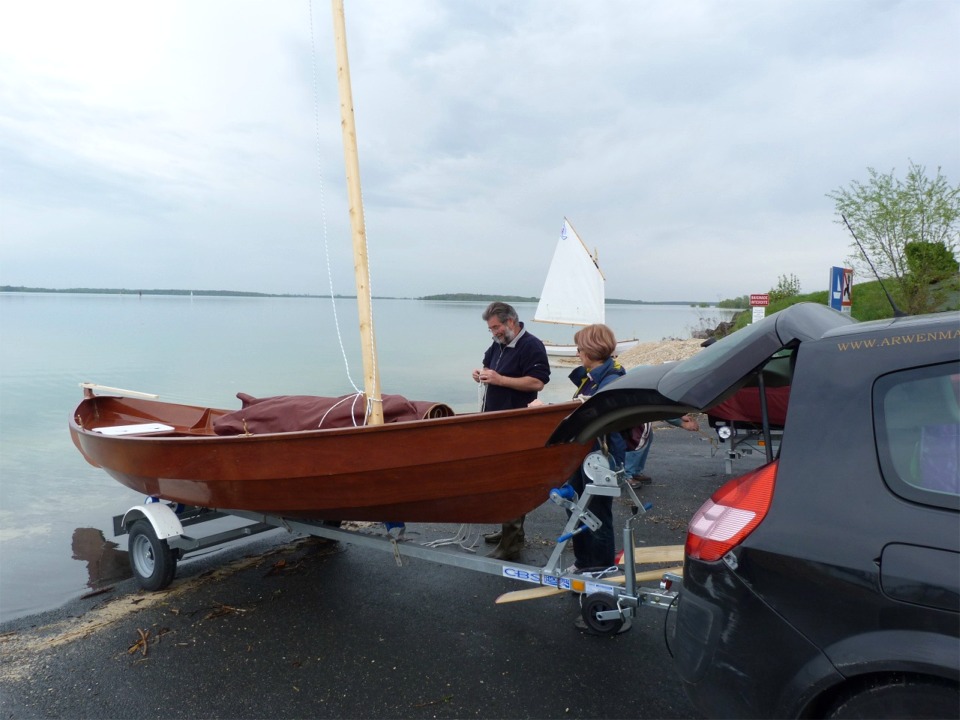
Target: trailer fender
[[164, 520]]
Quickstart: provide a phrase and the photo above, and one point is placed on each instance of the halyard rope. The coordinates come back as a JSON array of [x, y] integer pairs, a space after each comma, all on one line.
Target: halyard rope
[[323, 219]]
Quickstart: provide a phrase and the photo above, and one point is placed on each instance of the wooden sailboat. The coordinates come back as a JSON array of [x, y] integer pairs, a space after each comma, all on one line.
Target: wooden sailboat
[[479, 467], [573, 293]]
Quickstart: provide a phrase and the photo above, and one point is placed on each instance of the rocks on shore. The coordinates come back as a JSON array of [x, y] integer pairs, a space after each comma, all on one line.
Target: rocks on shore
[[654, 353]]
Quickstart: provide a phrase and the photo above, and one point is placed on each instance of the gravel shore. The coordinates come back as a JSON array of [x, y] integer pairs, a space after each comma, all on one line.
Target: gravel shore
[[654, 353], [648, 353]]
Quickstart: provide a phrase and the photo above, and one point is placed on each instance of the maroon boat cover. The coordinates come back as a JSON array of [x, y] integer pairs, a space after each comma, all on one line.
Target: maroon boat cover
[[292, 413], [744, 406]]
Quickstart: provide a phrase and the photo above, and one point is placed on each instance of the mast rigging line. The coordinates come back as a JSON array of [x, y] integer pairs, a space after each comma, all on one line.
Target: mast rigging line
[[323, 220]]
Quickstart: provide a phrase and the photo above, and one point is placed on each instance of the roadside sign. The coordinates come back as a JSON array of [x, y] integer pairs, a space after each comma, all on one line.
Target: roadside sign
[[759, 299], [759, 312], [841, 289]]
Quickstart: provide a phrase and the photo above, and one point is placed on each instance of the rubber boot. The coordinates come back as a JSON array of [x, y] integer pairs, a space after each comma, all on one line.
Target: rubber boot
[[511, 541]]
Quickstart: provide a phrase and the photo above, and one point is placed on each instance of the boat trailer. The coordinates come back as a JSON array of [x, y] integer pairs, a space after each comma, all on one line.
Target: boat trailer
[[158, 540]]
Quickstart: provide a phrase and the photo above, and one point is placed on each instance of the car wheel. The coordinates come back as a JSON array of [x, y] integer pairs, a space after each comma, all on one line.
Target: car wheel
[[900, 698]]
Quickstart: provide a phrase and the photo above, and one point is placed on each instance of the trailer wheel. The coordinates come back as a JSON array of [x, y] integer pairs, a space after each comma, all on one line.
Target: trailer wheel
[[600, 602], [153, 562]]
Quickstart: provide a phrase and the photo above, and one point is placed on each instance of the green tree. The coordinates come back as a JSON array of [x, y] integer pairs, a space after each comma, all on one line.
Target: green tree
[[787, 287], [887, 215]]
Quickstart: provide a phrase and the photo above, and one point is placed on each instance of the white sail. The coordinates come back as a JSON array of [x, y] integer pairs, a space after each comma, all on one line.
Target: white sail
[[573, 293]]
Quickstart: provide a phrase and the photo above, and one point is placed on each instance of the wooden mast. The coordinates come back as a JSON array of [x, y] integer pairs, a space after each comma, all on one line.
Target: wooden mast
[[371, 373]]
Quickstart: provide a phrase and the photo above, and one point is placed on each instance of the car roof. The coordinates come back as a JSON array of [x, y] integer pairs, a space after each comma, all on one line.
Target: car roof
[[659, 392], [915, 323]]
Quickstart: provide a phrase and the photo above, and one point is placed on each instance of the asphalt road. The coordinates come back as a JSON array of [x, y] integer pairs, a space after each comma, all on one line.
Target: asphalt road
[[290, 627]]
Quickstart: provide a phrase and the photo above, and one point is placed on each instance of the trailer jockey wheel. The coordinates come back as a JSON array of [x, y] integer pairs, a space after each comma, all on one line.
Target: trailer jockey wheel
[[153, 562], [600, 602]]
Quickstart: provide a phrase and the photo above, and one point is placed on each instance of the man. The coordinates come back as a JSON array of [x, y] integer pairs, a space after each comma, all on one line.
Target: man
[[515, 369]]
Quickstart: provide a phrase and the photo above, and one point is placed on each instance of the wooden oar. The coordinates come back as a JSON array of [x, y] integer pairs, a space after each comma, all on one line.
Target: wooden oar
[[660, 553], [532, 593], [655, 574], [545, 591]]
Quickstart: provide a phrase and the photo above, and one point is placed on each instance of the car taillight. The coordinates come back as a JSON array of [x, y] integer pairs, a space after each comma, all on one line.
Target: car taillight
[[731, 513]]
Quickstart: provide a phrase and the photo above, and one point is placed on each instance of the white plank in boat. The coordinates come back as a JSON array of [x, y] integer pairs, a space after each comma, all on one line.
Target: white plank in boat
[[134, 429]]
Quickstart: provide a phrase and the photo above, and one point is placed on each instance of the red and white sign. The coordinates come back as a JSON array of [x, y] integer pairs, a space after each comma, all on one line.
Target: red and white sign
[[759, 299]]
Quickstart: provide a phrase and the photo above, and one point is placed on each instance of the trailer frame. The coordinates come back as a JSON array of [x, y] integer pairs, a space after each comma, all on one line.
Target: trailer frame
[[158, 540]]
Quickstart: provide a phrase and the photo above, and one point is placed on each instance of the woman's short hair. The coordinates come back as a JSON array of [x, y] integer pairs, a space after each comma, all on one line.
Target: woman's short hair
[[596, 341]]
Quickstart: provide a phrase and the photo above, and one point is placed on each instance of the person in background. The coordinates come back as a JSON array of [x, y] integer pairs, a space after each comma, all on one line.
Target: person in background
[[595, 348], [639, 440], [515, 368]]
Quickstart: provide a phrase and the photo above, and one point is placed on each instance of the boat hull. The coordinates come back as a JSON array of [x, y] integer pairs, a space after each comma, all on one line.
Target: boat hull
[[570, 351], [473, 468]]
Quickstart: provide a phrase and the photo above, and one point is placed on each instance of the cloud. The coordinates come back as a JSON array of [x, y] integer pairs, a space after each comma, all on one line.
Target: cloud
[[199, 145]]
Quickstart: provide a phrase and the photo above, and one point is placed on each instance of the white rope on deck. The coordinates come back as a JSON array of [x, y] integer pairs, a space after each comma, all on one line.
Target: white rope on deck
[[353, 415]]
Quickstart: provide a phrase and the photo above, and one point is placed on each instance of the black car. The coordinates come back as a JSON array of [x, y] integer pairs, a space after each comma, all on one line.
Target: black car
[[826, 582]]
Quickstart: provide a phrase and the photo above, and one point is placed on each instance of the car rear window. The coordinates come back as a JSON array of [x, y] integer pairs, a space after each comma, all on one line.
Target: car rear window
[[917, 424]]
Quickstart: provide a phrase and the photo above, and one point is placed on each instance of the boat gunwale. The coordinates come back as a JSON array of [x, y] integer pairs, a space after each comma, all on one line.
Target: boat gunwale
[[183, 434]]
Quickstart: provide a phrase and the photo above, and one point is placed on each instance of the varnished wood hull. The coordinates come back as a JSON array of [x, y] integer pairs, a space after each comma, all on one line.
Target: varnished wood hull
[[476, 468]]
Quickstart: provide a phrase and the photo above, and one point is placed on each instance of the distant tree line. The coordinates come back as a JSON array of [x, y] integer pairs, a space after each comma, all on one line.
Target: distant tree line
[[741, 302], [479, 297], [127, 291], [737, 303]]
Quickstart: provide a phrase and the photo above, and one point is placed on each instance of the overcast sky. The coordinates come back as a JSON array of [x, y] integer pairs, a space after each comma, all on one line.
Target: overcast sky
[[197, 145]]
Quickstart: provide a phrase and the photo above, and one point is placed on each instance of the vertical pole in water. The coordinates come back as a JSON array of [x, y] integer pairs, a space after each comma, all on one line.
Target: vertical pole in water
[[371, 374]]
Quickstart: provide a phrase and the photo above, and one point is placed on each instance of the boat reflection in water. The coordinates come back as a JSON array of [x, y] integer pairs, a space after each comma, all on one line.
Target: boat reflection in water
[[106, 563]]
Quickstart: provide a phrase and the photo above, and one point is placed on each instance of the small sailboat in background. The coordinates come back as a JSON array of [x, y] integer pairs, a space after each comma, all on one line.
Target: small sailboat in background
[[573, 293]]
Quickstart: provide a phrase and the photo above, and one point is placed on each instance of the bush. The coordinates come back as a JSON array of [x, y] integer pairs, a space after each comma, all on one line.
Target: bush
[[787, 287], [931, 261]]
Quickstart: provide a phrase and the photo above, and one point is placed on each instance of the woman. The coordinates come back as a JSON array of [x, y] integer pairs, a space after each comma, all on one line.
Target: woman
[[595, 346]]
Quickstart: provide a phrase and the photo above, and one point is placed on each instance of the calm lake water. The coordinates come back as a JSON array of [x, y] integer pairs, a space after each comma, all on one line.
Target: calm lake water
[[54, 506]]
